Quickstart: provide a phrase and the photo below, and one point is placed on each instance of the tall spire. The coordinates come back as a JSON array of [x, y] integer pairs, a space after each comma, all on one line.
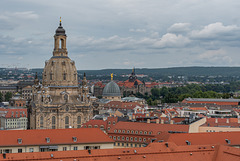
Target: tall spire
[[133, 71], [60, 23]]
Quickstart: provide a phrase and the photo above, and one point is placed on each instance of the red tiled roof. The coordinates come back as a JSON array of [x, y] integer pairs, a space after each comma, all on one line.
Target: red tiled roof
[[222, 120], [232, 122], [153, 127], [154, 152], [202, 138], [128, 84], [175, 119], [151, 84], [198, 108], [122, 105], [57, 136], [15, 113], [99, 84], [96, 122]]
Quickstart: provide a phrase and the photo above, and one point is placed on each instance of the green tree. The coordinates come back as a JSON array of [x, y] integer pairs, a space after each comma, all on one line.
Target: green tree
[[1, 97], [149, 101], [8, 96]]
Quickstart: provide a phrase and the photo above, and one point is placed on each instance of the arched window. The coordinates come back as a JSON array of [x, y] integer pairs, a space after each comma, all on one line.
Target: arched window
[[61, 43], [64, 76], [66, 122], [102, 127], [78, 121], [41, 122], [53, 122]]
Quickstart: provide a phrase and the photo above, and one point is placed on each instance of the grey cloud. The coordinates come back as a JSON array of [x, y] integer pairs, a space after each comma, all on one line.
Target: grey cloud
[[170, 40], [179, 28], [159, 33], [217, 31]]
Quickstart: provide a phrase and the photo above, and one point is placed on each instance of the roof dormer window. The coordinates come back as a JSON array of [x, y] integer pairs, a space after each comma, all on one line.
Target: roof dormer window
[[188, 142], [74, 139], [48, 140], [19, 141], [228, 141]]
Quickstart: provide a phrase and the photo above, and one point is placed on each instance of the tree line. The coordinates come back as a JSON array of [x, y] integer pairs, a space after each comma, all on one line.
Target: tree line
[[177, 94]]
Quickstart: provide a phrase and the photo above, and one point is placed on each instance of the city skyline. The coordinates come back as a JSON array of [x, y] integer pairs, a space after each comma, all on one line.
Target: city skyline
[[122, 34]]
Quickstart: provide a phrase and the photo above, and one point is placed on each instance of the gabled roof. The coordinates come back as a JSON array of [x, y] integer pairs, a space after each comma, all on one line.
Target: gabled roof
[[56, 136], [154, 152]]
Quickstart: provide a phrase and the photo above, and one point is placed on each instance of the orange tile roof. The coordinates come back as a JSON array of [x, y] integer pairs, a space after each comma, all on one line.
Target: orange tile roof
[[99, 84], [15, 113], [122, 105], [203, 138], [222, 120], [128, 84], [175, 119], [151, 84], [198, 108], [153, 127], [57, 136], [96, 122], [154, 152], [233, 122]]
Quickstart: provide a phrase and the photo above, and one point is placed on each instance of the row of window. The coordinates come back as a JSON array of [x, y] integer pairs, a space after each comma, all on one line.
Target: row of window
[[18, 120], [44, 149], [133, 132], [96, 126], [109, 123], [64, 76], [66, 122], [127, 144], [129, 138], [21, 112], [16, 123]]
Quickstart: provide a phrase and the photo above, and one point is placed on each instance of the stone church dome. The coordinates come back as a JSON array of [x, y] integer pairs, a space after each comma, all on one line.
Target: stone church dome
[[111, 89], [60, 70]]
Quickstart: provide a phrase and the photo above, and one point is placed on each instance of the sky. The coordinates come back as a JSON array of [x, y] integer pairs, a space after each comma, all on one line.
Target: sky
[[104, 34]]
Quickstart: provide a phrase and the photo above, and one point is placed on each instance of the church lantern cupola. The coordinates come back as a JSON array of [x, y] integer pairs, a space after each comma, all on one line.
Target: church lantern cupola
[[60, 41]]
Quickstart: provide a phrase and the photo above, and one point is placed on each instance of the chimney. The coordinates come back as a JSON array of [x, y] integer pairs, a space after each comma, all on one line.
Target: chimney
[[148, 121], [162, 121], [171, 122], [157, 121], [216, 120], [227, 121]]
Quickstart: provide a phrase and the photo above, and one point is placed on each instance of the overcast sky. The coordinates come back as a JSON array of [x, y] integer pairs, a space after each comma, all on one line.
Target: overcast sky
[[122, 33]]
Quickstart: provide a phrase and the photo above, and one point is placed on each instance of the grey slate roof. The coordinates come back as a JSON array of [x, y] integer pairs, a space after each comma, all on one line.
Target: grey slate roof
[[111, 89]]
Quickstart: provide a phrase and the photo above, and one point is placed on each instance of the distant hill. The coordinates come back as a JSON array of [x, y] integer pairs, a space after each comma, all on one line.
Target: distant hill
[[176, 71]]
